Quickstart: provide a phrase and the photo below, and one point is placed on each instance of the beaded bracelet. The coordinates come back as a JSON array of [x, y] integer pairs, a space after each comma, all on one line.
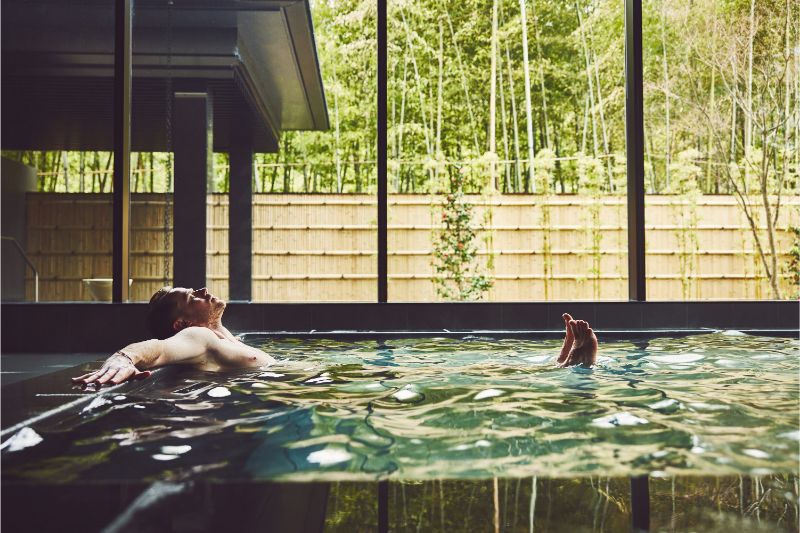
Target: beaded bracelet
[[126, 356]]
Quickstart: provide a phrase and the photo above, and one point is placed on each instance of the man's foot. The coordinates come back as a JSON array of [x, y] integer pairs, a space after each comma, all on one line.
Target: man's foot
[[584, 344], [568, 339]]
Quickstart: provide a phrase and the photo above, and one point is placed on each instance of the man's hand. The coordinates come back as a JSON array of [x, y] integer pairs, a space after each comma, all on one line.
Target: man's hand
[[115, 370]]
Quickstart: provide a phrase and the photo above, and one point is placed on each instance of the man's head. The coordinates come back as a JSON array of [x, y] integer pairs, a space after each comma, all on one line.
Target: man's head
[[175, 308]]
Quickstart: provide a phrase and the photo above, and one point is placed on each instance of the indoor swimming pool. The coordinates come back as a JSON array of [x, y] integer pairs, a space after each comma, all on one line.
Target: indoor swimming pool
[[473, 407]]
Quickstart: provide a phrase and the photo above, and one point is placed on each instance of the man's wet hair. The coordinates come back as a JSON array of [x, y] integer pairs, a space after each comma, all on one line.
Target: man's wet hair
[[161, 314]]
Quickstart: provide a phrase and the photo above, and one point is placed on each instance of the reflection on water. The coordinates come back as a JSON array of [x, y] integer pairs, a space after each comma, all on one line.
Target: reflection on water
[[723, 504], [472, 408]]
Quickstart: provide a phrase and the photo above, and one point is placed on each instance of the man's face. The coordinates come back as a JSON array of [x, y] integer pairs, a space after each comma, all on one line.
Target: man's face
[[199, 307]]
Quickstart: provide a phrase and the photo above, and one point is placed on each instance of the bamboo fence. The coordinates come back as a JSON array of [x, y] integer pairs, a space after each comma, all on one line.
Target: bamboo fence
[[323, 247]]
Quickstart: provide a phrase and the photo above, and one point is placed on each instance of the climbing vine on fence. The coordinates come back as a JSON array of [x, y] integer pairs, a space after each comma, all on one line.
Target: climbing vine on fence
[[458, 276]]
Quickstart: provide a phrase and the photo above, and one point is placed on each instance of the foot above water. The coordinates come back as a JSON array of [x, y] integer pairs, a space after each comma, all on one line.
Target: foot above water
[[580, 343]]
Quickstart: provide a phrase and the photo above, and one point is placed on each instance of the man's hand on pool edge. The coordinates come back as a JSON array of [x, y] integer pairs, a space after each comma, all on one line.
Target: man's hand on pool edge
[[116, 369]]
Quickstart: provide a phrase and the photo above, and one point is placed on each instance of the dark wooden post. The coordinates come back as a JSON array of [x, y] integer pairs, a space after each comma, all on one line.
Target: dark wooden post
[[240, 208], [193, 145]]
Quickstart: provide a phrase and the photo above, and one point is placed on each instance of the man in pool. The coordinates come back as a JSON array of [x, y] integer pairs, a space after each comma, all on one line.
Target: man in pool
[[187, 324]]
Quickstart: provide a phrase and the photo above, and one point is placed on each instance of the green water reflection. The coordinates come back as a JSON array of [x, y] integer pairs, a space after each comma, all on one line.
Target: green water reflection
[[724, 504]]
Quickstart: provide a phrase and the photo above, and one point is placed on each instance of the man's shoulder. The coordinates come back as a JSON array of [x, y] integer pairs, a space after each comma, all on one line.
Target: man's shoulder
[[197, 333]]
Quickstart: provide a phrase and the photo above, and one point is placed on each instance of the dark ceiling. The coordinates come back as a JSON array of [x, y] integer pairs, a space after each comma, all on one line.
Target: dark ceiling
[[259, 64]]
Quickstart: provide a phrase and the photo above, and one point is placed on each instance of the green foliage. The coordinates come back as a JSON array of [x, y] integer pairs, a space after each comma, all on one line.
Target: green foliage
[[793, 264], [458, 275]]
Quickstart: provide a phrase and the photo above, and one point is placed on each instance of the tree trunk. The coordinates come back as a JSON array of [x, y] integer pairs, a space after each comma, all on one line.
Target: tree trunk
[[603, 128], [150, 170], [493, 99], [648, 153], [666, 92], [463, 77], [274, 174], [82, 170], [439, 98], [711, 103], [589, 79], [137, 172], [106, 171], [65, 166], [514, 118], [585, 132], [732, 156], [287, 167], [503, 124], [337, 137], [95, 170], [772, 273], [547, 141], [748, 114], [420, 94], [787, 110], [528, 114], [399, 147]]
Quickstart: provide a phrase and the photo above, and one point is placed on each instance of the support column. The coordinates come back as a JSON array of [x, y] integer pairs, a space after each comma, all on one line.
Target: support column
[[240, 208], [120, 245], [640, 503], [634, 139], [193, 145], [383, 275]]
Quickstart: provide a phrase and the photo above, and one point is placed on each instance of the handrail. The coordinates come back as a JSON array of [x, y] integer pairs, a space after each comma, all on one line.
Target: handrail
[[30, 264]]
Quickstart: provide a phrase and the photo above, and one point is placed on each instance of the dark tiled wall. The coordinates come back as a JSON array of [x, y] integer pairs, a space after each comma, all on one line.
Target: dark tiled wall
[[97, 327]]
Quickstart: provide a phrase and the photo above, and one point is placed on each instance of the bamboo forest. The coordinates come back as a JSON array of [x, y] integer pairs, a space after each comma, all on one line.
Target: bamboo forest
[[529, 97]]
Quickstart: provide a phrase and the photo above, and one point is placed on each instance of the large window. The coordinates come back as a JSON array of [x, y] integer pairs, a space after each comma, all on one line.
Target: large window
[[721, 97], [57, 129], [506, 151], [506, 128], [314, 211]]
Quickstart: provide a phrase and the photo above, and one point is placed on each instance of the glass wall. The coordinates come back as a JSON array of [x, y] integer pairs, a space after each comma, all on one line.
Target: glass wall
[[315, 205], [506, 151], [57, 131], [721, 154]]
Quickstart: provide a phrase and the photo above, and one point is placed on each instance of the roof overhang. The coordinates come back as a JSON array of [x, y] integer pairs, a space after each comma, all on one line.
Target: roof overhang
[[57, 71]]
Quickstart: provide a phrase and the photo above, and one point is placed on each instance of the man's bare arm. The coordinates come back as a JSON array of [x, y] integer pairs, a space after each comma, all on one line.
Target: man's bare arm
[[195, 346], [189, 346]]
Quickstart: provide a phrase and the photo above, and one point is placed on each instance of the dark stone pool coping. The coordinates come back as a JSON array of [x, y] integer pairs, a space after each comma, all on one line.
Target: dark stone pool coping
[[97, 327]]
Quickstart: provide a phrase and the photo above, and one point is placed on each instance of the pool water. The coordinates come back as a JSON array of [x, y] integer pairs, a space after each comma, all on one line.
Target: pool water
[[716, 404]]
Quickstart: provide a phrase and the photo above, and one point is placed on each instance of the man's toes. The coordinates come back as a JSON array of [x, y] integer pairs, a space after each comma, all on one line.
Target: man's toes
[[566, 317], [572, 325]]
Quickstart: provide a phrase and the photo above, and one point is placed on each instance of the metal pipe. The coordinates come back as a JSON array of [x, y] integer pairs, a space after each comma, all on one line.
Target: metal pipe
[[30, 264]]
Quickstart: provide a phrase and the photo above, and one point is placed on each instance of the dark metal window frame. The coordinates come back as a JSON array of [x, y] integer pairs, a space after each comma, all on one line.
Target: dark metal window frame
[[634, 136], [634, 133]]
